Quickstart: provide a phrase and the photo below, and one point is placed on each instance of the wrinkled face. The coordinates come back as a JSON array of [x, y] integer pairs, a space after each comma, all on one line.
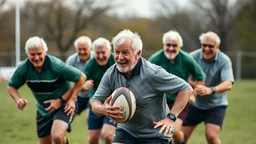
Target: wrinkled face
[[102, 55], [125, 58], [37, 56], [171, 49], [209, 49], [83, 51]]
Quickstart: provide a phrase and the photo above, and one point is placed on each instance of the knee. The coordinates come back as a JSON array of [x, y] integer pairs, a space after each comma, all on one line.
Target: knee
[[107, 136], [93, 139], [212, 138], [58, 138]]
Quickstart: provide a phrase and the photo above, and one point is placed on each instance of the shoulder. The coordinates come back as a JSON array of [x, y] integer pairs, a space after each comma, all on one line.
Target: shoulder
[[156, 56], [54, 62], [187, 58], [72, 58], [195, 52], [23, 66], [149, 68], [223, 57]]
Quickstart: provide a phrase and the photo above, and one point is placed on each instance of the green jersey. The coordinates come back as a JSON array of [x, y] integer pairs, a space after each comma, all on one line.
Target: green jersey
[[183, 66], [51, 83], [95, 72]]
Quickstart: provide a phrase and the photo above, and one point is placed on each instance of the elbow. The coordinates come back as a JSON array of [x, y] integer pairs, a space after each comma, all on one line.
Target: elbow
[[229, 87], [83, 77]]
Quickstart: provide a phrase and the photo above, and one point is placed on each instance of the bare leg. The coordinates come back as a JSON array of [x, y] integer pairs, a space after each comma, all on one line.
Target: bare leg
[[212, 132], [59, 128]]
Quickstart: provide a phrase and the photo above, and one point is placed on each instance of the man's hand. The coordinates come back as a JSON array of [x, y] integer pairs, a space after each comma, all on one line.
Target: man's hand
[[70, 107], [113, 112], [203, 90], [21, 103], [54, 104], [165, 124], [88, 85]]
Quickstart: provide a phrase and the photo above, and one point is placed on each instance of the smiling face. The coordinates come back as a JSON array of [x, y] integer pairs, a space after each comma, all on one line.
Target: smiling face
[[171, 49], [37, 57], [102, 55], [125, 58], [83, 50], [209, 49]]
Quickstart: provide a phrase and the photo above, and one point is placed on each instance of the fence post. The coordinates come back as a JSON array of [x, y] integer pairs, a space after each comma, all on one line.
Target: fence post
[[238, 65]]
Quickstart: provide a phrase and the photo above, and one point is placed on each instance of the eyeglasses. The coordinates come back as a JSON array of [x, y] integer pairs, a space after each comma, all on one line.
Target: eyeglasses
[[173, 45], [209, 45]]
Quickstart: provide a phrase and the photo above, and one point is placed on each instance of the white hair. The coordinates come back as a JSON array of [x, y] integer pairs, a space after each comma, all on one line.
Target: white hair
[[126, 35], [173, 36], [34, 42], [83, 39], [101, 42], [210, 35]]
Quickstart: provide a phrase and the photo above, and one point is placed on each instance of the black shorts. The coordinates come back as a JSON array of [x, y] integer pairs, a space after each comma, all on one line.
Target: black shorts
[[214, 115], [82, 104], [122, 136], [44, 123]]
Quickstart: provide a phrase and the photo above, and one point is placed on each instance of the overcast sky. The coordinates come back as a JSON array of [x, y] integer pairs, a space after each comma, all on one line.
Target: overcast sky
[[143, 8]]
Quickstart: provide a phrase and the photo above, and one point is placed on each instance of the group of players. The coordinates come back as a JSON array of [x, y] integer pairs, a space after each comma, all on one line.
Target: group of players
[[174, 90]]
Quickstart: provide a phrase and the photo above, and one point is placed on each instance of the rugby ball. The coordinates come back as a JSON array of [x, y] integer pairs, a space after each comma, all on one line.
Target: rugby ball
[[124, 98]]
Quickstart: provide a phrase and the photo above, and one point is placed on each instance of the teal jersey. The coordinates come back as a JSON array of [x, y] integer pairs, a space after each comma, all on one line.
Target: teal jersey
[[183, 66], [51, 83], [95, 72]]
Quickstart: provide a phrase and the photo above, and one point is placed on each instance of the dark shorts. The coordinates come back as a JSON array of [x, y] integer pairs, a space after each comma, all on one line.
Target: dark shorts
[[214, 115], [183, 113], [44, 123], [96, 122], [82, 104], [122, 136]]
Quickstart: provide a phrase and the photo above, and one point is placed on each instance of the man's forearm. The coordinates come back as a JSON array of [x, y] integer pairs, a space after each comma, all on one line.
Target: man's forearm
[[181, 101], [97, 108], [78, 87], [13, 93]]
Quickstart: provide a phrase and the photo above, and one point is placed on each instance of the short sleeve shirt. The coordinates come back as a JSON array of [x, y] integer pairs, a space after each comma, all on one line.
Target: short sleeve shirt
[[148, 83], [95, 72], [217, 71], [51, 83], [74, 61], [183, 66]]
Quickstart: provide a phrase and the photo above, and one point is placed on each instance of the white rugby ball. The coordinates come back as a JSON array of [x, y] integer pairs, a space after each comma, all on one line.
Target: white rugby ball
[[124, 98]]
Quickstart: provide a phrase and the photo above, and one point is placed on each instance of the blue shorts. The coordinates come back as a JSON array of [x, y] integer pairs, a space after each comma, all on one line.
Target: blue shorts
[[214, 115], [44, 123], [96, 122], [122, 136], [82, 104]]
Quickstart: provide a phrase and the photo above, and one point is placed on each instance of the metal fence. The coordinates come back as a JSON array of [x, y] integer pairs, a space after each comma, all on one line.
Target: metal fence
[[244, 63]]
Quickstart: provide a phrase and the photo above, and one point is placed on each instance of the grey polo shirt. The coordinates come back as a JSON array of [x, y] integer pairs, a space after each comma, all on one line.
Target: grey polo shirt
[[217, 71], [148, 83], [74, 61]]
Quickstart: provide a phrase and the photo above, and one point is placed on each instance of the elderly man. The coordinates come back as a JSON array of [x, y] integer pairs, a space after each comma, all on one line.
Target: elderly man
[[99, 126], [48, 78], [211, 102], [78, 60], [152, 121], [177, 62]]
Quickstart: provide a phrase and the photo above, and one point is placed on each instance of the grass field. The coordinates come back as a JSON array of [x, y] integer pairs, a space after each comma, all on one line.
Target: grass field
[[18, 127]]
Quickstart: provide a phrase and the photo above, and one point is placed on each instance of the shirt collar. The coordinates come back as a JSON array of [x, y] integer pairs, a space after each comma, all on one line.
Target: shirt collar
[[136, 70]]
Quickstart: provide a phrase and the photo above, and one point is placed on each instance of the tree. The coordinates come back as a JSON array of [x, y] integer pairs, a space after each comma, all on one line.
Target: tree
[[171, 16], [221, 15], [62, 21]]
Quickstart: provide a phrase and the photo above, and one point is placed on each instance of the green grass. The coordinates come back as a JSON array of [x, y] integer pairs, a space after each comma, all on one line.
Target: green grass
[[239, 127]]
